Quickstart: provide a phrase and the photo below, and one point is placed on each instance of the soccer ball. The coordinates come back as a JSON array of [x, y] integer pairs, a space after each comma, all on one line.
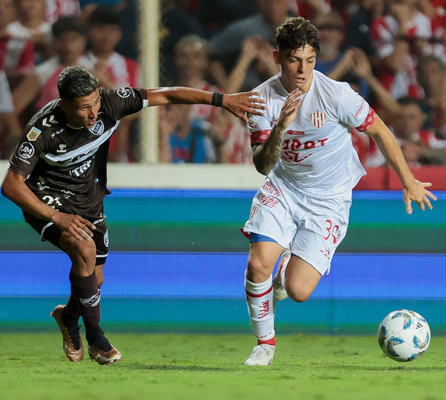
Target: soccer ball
[[404, 335]]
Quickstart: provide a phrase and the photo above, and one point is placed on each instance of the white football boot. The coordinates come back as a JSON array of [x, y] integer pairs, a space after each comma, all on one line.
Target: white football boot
[[262, 354], [279, 291]]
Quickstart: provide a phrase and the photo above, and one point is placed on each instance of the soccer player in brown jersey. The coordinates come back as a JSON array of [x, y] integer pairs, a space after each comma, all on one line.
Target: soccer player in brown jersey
[[57, 176]]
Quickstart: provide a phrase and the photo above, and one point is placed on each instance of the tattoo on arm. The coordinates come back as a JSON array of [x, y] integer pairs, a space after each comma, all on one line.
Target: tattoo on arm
[[266, 155]]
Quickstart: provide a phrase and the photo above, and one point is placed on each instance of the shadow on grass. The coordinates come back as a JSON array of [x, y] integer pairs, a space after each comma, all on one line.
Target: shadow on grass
[[408, 367], [172, 367]]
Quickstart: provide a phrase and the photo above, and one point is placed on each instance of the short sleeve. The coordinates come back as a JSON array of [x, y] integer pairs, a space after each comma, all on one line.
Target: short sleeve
[[124, 101], [27, 153], [354, 111], [259, 127]]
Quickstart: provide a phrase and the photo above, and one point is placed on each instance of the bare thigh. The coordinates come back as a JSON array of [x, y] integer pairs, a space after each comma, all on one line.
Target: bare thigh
[[300, 279]]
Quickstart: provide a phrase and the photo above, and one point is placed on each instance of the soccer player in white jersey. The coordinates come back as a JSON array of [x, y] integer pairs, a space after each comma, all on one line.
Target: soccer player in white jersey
[[303, 145]]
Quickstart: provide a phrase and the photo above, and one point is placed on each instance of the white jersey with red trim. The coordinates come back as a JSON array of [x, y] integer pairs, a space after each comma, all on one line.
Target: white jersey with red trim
[[318, 156]]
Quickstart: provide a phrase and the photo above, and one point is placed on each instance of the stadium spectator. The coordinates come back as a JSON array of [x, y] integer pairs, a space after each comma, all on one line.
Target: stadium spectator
[[175, 23], [129, 15], [30, 24], [56, 9], [436, 11], [113, 71], [308, 9], [192, 62], [234, 145], [226, 46], [431, 74], [358, 32], [16, 54], [69, 45], [6, 109], [418, 145], [400, 38], [331, 33], [183, 140], [214, 16]]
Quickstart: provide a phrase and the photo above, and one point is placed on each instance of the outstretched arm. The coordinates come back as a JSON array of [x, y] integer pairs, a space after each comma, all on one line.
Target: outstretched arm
[[413, 190], [238, 103]]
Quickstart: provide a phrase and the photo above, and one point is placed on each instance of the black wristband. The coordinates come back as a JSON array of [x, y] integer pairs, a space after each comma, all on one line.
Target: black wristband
[[217, 99]]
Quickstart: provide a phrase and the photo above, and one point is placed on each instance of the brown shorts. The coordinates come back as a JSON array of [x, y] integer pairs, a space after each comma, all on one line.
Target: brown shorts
[[51, 233]]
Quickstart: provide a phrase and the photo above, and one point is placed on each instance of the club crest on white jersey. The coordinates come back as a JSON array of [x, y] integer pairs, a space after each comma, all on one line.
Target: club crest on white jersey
[[318, 119]]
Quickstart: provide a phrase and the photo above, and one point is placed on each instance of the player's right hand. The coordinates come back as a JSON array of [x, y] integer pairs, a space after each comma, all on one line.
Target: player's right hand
[[79, 227], [289, 109]]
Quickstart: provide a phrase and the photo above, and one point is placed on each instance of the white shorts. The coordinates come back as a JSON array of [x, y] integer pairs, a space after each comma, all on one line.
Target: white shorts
[[313, 228]]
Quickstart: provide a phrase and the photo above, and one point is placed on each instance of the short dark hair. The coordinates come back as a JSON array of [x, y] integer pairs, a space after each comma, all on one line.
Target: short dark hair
[[67, 24], [104, 16], [74, 82], [295, 33]]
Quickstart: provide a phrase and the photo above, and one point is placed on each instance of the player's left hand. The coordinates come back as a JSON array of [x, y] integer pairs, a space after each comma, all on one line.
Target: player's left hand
[[417, 192], [241, 103]]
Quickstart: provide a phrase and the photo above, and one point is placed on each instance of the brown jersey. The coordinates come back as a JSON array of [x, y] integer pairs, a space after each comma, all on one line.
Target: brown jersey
[[66, 167]]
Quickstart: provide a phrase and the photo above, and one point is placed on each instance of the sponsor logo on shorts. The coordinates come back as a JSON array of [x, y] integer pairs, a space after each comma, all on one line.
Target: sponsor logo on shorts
[[106, 238], [98, 128], [124, 92], [33, 134], [26, 150]]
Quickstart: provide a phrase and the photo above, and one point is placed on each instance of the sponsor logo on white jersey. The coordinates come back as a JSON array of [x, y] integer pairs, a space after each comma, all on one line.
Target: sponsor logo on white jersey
[[318, 119]]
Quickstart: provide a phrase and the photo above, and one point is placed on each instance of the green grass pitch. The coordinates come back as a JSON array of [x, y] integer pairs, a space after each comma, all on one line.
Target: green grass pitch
[[32, 366]]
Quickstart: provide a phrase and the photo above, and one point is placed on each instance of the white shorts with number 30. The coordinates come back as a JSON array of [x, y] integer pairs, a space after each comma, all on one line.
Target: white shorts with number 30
[[313, 228]]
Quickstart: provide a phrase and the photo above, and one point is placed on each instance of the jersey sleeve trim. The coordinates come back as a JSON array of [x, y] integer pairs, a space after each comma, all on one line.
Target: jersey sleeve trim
[[260, 136], [368, 122]]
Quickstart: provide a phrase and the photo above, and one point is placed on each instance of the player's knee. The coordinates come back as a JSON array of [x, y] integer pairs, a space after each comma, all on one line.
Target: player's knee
[[82, 252], [298, 294], [257, 270]]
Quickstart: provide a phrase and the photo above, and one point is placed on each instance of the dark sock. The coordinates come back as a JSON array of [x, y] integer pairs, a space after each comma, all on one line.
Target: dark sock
[[71, 312], [85, 290]]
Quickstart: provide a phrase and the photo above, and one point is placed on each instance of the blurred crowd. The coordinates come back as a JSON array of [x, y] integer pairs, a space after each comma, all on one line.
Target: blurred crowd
[[393, 52]]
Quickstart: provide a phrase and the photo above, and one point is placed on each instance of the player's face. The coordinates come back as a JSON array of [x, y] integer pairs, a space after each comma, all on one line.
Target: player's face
[[297, 67], [82, 111]]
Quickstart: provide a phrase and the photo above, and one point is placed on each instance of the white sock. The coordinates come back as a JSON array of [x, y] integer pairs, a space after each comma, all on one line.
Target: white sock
[[260, 298]]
